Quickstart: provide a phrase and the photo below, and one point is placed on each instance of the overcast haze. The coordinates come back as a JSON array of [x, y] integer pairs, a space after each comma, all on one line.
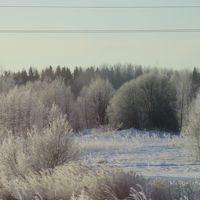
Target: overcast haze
[[173, 50]]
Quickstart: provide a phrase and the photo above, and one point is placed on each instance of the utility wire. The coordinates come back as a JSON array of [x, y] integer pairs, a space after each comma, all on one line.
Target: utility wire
[[100, 7], [100, 31]]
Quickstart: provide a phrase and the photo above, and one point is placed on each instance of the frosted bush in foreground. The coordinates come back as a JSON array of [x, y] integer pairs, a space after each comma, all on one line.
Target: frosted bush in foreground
[[60, 183], [77, 182], [48, 148], [82, 196], [54, 145]]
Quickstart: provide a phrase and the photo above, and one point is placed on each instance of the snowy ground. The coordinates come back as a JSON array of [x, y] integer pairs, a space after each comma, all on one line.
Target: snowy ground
[[144, 152]]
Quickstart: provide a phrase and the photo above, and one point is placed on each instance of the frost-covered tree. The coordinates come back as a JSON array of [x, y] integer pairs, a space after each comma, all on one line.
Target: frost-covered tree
[[55, 92], [20, 109], [158, 101], [191, 130], [147, 102], [93, 102], [123, 110], [26, 106], [183, 84], [7, 82], [99, 94], [85, 117]]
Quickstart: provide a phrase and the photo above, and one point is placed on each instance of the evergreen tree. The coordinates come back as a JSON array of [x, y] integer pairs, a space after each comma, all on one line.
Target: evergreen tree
[[31, 74], [58, 72]]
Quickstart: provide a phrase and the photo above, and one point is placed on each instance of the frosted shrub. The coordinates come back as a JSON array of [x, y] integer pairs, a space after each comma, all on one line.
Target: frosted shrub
[[175, 190], [117, 184], [4, 133], [65, 182], [77, 182], [12, 157], [54, 145], [41, 149], [137, 194], [82, 196]]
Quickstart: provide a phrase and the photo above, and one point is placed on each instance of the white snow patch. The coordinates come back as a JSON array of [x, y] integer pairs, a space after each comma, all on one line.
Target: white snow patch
[[153, 154]]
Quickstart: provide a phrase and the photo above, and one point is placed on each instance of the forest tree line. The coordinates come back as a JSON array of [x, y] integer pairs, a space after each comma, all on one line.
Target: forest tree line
[[118, 96]]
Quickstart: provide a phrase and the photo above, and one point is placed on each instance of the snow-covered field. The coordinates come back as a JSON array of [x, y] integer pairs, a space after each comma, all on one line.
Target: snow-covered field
[[144, 152]]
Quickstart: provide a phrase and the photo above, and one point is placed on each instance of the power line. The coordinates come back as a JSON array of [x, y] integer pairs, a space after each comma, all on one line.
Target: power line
[[100, 31], [100, 7]]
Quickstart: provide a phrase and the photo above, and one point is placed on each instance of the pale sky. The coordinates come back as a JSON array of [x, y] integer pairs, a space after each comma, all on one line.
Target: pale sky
[[173, 50]]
